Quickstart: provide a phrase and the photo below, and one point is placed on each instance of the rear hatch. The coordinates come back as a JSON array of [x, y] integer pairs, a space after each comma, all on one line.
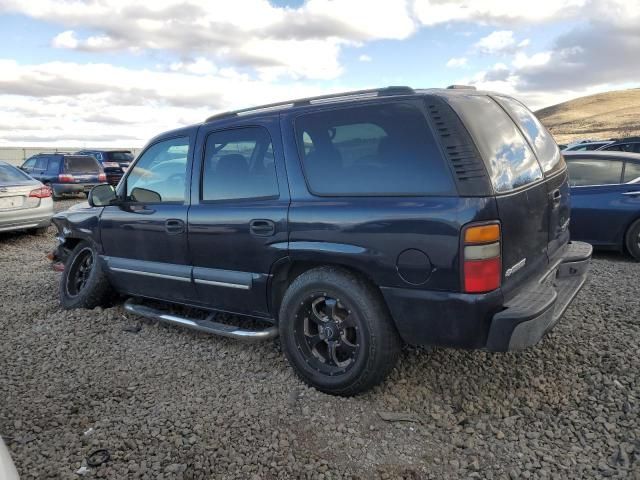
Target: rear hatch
[[529, 179], [15, 187], [122, 158], [82, 169]]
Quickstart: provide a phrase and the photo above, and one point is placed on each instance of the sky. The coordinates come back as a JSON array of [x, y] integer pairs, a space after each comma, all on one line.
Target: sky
[[106, 73]]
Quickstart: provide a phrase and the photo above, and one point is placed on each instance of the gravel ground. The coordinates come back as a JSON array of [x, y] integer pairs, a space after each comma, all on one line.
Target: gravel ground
[[172, 403]]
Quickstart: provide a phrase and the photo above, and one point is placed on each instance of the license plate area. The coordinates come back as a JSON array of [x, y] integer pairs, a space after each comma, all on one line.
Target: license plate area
[[11, 202]]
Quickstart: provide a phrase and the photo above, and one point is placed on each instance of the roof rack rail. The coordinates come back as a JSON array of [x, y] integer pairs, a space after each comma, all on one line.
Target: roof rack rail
[[335, 97], [461, 87]]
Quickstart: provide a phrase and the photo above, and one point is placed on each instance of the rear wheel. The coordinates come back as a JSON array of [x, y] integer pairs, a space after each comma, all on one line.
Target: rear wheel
[[83, 283], [632, 240], [336, 332]]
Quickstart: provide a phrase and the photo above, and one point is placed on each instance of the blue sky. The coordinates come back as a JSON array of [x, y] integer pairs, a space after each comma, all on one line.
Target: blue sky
[[112, 72]]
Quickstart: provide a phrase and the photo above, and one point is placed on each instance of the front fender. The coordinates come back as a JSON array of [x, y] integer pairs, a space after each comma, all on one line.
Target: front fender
[[76, 224]]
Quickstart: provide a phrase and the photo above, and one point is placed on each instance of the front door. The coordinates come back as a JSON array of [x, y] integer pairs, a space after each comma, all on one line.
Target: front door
[[238, 218], [144, 238]]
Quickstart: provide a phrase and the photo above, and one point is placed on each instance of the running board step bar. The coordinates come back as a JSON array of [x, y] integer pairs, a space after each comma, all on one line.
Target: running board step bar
[[206, 325]]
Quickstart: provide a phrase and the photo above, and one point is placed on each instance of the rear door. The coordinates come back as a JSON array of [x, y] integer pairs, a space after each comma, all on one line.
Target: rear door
[[238, 216], [518, 181], [553, 166]]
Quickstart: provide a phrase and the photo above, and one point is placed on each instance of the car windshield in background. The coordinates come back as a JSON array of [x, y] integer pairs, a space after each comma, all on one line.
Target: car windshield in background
[[509, 159], [81, 165], [9, 174], [119, 156]]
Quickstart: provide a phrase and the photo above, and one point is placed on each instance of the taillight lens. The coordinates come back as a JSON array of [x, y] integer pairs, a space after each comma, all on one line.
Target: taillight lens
[[482, 262], [102, 177], [65, 178], [44, 192]]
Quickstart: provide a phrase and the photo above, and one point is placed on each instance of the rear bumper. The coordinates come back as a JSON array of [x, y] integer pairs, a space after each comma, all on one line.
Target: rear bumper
[[71, 188], [37, 217], [534, 311], [486, 321]]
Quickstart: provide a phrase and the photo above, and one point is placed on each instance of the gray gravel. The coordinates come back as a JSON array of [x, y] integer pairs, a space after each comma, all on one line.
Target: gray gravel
[[171, 403]]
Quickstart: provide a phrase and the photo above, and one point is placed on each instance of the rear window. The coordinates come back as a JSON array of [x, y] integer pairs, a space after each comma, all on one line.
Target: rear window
[[543, 144], [10, 174], [119, 156], [371, 150], [509, 159], [81, 165]]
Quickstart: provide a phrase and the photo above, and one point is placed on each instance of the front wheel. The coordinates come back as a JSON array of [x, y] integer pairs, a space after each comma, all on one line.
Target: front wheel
[[336, 332], [83, 283], [632, 240]]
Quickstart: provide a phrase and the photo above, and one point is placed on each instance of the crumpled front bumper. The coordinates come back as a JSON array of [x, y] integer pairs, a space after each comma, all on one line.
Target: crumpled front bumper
[[526, 318]]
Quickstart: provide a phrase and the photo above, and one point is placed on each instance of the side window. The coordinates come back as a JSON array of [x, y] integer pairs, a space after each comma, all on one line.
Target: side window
[[539, 138], [507, 155], [54, 165], [384, 149], [594, 172], [632, 172], [29, 164], [160, 174], [239, 164], [41, 163]]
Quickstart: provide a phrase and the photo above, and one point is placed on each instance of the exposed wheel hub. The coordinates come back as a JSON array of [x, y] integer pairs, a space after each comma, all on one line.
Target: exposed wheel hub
[[327, 334]]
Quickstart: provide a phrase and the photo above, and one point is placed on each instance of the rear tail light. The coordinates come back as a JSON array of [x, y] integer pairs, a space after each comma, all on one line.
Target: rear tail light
[[65, 178], [482, 262], [102, 177], [44, 192]]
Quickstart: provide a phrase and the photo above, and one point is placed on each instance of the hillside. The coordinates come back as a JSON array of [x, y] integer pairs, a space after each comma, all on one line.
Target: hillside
[[601, 116]]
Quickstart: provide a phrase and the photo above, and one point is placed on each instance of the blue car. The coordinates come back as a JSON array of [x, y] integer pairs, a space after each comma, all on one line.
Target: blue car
[[605, 206]]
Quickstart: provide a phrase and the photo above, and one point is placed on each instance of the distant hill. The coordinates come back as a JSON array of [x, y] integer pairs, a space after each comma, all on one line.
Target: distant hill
[[601, 116]]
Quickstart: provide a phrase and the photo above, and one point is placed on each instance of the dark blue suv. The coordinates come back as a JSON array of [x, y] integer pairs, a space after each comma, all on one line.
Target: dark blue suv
[[114, 162], [65, 173], [349, 224]]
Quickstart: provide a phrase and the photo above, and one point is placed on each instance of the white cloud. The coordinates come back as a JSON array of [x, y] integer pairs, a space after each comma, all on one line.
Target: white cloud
[[457, 62], [364, 58], [499, 42], [80, 104], [66, 39], [494, 12]]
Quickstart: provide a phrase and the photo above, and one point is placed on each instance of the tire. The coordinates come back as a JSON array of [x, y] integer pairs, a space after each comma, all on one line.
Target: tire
[[95, 289], [632, 240], [336, 332]]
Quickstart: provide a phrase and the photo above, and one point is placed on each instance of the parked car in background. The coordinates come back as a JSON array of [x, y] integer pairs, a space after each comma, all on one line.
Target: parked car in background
[[587, 146], [25, 203], [65, 173], [605, 203], [350, 223], [631, 144], [114, 162], [7, 468]]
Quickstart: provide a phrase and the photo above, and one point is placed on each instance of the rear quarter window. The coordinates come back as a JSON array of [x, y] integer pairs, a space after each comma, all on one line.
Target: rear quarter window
[[374, 150], [507, 155], [543, 144]]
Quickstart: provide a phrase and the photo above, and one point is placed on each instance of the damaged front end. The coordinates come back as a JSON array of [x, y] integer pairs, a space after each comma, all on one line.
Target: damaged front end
[[74, 225]]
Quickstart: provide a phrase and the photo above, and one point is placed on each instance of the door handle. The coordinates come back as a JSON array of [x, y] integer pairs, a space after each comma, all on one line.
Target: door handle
[[556, 196], [262, 228], [173, 226]]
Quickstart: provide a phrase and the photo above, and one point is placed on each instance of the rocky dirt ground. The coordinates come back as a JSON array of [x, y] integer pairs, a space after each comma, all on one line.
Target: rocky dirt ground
[[171, 403]]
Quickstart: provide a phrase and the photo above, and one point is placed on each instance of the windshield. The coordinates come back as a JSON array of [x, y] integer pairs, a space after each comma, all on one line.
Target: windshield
[[10, 174]]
